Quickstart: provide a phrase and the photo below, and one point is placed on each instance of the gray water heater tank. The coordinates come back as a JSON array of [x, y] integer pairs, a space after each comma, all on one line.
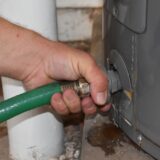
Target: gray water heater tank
[[132, 48]]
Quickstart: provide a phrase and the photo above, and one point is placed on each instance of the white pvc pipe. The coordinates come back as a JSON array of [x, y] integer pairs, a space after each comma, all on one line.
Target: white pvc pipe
[[37, 134]]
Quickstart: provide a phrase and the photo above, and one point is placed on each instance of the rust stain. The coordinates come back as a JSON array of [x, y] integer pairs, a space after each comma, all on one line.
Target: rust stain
[[129, 94], [106, 136], [3, 131]]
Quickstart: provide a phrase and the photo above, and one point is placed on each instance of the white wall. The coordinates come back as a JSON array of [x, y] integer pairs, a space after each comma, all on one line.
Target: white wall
[[80, 3], [75, 18]]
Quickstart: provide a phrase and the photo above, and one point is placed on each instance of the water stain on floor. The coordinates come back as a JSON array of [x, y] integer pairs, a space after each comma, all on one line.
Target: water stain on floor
[[106, 136], [3, 131]]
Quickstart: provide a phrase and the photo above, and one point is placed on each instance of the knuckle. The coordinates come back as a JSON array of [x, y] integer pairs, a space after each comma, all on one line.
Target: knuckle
[[75, 107]]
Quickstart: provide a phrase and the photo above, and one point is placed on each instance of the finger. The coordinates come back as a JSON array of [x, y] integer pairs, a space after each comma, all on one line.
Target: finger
[[72, 101], [96, 77], [88, 106], [106, 108], [59, 105]]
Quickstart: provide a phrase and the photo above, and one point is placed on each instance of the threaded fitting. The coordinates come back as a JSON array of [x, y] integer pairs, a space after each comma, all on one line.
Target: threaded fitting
[[81, 87]]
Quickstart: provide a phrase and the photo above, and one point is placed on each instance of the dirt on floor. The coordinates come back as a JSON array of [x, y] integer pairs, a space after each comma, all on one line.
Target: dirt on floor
[[104, 141]]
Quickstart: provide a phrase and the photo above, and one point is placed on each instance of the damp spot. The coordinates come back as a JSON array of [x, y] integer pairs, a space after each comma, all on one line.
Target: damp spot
[[106, 136], [3, 131]]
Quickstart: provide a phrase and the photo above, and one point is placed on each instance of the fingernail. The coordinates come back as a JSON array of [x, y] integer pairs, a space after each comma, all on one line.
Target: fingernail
[[101, 98]]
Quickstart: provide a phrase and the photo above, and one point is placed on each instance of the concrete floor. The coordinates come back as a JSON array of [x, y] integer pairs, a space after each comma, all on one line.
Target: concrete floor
[[3, 143], [4, 148], [124, 150], [127, 152]]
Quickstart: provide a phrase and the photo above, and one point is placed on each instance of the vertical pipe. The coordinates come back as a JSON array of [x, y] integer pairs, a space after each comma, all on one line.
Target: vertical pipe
[[36, 134]]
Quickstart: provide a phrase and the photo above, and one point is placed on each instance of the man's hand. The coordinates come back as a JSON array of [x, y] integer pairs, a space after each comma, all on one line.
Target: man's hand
[[37, 61], [61, 62]]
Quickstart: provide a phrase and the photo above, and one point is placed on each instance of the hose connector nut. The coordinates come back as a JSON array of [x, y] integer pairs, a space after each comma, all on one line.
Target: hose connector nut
[[82, 88]]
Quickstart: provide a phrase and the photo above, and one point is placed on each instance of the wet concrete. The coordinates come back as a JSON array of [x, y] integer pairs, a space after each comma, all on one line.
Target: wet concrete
[[106, 136], [105, 141], [3, 131], [4, 152]]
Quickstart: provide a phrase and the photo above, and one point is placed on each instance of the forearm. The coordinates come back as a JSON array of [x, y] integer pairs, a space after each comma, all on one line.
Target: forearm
[[17, 51], [27, 56]]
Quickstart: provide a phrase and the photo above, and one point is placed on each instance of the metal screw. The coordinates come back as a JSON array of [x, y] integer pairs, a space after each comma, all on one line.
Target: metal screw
[[139, 139], [115, 12]]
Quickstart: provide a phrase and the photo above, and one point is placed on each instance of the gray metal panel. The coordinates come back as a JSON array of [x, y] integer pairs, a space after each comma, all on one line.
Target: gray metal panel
[[131, 13], [148, 84], [120, 38], [140, 139], [141, 54]]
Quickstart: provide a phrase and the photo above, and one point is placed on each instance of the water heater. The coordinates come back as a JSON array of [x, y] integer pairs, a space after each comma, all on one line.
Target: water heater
[[132, 49]]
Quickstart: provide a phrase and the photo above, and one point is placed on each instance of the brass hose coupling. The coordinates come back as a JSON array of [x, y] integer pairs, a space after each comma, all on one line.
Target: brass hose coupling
[[81, 87]]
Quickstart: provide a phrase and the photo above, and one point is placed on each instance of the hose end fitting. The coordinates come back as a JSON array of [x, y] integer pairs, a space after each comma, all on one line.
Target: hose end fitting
[[81, 87]]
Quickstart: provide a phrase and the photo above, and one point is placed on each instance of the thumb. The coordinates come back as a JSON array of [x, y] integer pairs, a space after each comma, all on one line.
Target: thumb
[[99, 85], [96, 77]]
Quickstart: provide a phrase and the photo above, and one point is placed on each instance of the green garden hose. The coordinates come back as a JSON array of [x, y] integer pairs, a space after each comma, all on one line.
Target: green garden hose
[[38, 97]]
